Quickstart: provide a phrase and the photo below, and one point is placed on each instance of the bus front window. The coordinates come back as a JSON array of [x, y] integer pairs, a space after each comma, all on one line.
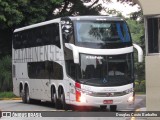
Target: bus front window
[[100, 33], [105, 70]]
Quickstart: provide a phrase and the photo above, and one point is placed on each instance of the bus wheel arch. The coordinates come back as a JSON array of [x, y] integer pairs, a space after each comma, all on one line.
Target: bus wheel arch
[[21, 89]]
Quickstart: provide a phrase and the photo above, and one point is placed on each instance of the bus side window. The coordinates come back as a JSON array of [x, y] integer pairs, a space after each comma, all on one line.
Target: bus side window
[[15, 40], [45, 70], [31, 38], [24, 39], [45, 36], [53, 34], [58, 71]]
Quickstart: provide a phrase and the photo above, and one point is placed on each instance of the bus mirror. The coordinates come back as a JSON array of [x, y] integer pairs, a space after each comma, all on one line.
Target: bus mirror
[[67, 32], [140, 52]]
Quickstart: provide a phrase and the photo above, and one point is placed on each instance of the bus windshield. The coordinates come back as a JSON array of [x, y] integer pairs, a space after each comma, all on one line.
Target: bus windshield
[[105, 70], [101, 33]]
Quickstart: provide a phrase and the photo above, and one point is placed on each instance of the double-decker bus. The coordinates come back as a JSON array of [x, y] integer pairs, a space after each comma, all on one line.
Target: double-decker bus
[[80, 61]]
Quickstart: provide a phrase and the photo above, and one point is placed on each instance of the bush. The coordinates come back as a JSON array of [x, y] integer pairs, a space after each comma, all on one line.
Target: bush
[[7, 95], [140, 86], [6, 74]]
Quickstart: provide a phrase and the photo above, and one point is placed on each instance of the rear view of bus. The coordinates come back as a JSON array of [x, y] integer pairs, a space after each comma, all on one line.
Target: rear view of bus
[[99, 61]]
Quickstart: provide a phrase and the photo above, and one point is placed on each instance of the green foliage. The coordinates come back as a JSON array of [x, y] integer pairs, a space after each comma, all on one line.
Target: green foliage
[[137, 33], [136, 29], [140, 86], [7, 95], [24, 12], [5, 74], [77, 7]]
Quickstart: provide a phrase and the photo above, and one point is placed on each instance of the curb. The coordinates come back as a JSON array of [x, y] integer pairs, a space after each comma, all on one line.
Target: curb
[[10, 98]]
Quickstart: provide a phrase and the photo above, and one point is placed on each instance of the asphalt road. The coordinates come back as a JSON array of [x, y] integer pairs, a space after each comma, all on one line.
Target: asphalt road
[[17, 105]]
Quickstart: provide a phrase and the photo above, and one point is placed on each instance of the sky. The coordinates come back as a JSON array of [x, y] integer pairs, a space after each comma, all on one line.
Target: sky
[[124, 8]]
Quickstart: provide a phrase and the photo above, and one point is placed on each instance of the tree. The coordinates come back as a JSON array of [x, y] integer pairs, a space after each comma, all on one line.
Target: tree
[[137, 33], [5, 74], [24, 12], [78, 7]]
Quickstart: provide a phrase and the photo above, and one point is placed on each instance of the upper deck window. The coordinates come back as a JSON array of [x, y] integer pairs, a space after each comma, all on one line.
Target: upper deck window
[[39, 36], [102, 32]]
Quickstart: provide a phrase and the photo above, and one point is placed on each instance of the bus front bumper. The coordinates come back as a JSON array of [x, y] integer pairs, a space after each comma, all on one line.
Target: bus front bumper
[[121, 101]]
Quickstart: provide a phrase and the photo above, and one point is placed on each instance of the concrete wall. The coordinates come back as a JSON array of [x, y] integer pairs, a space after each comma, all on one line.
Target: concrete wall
[[153, 82], [149, 7]]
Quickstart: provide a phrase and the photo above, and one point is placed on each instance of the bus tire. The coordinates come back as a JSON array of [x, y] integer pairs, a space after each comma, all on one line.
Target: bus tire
[[27, 98], [58, 104], [55, 101], [63, 102], [23, 97]]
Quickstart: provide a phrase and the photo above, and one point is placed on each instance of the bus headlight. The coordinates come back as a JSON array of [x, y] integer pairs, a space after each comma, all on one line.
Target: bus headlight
[[131, 99], [82, 99]]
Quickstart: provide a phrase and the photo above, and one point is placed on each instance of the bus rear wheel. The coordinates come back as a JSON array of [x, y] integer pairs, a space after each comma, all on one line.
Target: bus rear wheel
[[27, 99], [23, 97], [55, 101], [63, 102]]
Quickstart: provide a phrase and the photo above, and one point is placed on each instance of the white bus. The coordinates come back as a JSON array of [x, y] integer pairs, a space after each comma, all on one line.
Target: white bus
[[80, 61]]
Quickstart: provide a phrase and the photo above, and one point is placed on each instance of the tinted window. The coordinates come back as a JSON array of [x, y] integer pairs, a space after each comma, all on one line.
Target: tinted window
[[45, 70], [105, 70], [39, 36], [70, 65], [102, 34]]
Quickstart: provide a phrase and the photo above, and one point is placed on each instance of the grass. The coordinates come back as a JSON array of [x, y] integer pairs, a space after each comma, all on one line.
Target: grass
[[7, 95], [140, 93]]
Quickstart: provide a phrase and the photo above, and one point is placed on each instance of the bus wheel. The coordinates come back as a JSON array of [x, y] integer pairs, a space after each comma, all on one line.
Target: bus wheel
[[64, 105], [27, 95], [55, 101], [23, 97], [113, 108], [54, 98]]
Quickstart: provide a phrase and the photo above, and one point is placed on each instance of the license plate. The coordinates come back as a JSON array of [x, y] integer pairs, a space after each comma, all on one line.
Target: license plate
[[108, 102]]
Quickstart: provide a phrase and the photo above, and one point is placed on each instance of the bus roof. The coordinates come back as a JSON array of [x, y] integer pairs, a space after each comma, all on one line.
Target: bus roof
[[108, 18], [98, 17], [37, 25]]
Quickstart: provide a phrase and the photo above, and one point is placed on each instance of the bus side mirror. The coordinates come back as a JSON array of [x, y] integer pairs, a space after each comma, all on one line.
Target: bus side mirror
[[66, 31], [140, 52]]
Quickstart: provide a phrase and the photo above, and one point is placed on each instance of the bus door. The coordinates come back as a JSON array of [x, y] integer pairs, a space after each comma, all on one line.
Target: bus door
[[71, 81]]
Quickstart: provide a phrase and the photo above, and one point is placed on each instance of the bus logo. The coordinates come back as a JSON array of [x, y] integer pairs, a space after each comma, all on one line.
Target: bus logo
[[94, 57], [104, 80]]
